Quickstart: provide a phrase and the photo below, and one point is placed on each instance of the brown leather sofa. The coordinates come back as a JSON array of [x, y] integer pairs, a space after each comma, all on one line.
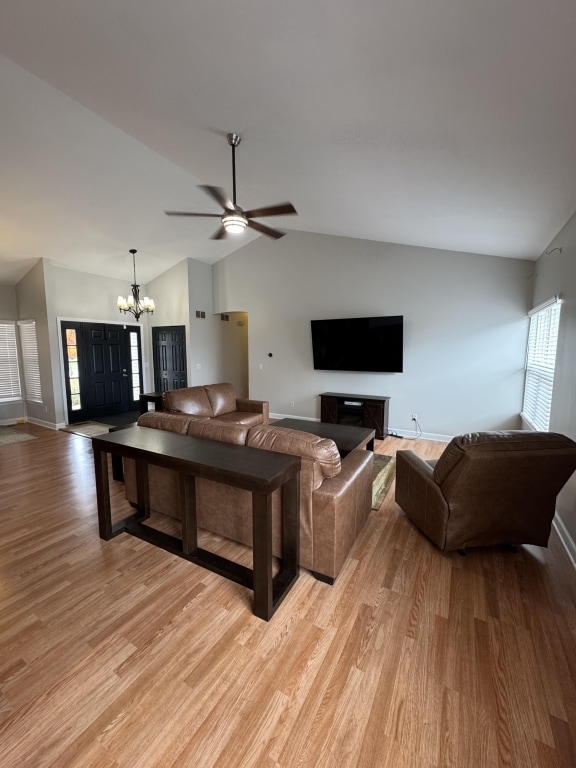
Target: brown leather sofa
[[216, 401], [335, 492], [487, 488]]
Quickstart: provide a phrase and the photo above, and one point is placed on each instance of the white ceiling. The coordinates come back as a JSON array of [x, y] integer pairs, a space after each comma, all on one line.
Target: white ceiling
[[449, 124]]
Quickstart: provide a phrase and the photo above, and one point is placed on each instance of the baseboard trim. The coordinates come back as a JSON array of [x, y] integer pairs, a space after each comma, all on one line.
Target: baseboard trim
[[291, 416], [411, 435], [47, 424], [565, 538]]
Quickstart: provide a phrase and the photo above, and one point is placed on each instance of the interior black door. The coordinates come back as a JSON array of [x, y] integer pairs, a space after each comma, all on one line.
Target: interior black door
[[169, 353], [103, 370]]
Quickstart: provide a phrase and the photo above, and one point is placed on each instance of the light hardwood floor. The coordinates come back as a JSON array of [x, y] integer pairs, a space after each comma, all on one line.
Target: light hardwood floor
[[119, 655]]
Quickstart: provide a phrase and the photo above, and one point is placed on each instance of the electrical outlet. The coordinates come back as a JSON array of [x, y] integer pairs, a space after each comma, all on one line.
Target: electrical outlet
[[292, 403], [414, 417]]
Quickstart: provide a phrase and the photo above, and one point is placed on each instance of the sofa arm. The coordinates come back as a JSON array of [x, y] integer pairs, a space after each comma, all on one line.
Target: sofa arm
[[341, 507], [420, 496], [246, 405]]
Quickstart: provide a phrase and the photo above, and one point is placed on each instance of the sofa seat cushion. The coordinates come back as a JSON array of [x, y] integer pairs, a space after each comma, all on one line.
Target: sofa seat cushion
[[241, 417], [322, 451], [222, 398], [191, 400]]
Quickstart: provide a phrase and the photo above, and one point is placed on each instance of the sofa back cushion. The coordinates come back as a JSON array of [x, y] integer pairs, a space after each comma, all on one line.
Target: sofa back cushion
[[224, 431], [222, 398], [322, 452], [169, 422], [191, 400]]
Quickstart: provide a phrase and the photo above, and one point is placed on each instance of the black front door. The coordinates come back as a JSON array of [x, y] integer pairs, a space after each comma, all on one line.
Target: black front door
[[103, 370], [169, 352]]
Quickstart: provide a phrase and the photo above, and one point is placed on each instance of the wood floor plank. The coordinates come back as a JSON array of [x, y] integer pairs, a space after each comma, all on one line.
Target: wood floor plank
[[119, 655]]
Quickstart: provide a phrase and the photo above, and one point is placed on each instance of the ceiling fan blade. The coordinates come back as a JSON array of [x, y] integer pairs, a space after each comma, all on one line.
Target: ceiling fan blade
[[220, 234], [218, 194], [275, 233], [187, 213], [271, 210]]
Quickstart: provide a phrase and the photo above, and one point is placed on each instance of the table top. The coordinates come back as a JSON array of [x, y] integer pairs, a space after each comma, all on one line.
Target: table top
[[346, 437], [350, 396], [250, 468]]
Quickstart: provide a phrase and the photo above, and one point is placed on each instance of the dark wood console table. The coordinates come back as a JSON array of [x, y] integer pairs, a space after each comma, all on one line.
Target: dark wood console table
[[258, 471], [369, 411]]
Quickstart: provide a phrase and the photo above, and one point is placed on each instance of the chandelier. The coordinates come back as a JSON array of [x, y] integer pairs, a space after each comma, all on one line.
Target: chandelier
[[133, 303]]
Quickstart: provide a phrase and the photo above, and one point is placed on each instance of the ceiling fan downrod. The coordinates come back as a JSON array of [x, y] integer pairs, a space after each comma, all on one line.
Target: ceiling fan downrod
[[233, 140]]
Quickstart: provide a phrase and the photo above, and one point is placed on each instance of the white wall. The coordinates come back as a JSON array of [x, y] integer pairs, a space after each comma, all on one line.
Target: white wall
[[205, 352], [465, 326], [556, 273], [170, 294], [181, 292]]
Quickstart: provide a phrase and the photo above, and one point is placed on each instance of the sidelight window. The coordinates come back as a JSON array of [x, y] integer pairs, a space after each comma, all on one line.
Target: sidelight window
[[71, 353], [135, 366]]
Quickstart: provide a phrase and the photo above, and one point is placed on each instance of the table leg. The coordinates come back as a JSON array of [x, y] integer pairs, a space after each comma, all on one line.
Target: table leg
[[188, 507], [103, 494], [142, 488], [291, 524], [262, 555]]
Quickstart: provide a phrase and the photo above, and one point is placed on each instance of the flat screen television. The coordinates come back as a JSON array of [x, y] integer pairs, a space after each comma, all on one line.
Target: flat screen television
[[369, 344]]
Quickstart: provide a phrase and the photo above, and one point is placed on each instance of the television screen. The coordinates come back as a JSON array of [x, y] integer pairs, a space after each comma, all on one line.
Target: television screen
[[370, 344]]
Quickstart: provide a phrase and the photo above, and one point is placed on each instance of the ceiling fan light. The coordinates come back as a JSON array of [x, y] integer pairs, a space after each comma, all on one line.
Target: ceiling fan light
[[234, 223]]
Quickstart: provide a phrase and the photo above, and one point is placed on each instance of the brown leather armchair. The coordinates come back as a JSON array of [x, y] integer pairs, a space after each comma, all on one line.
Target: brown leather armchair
[[487, 488]]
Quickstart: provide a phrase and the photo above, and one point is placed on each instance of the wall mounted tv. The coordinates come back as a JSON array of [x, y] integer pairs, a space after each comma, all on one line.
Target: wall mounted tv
[[369, 344]]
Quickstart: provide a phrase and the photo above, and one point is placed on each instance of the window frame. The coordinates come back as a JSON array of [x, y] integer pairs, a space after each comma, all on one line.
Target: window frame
[[29, 361], [540, 365], [10, 379]]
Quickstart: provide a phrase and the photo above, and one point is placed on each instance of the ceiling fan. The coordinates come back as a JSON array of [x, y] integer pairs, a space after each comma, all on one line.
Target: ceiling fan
[[235, 219]]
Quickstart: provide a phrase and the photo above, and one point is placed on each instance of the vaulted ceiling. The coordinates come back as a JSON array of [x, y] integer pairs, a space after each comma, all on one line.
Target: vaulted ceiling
[[448, 124]]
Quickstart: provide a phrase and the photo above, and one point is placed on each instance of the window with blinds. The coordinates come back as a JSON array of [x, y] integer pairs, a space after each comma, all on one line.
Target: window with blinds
[[540, 364], [9, 373], [29, 346]]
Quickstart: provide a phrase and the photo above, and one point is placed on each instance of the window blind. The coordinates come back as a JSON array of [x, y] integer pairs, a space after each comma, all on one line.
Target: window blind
[[29, 345], [9, 374], [540, 364]]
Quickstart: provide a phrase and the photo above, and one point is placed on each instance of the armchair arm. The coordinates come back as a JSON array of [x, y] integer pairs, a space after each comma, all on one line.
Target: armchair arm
[[254, 406], [420, 496]]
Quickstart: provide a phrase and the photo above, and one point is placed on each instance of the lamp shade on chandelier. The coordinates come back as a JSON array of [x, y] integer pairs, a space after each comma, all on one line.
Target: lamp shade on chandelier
[[133, 303]]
